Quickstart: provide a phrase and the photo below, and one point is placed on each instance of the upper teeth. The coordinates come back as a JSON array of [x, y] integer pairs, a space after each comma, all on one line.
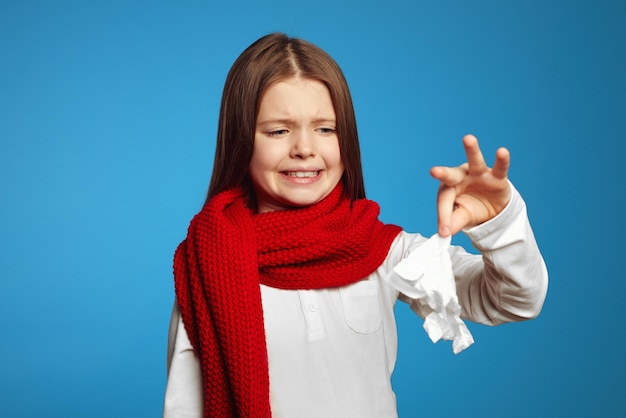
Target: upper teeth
[[302, 173]]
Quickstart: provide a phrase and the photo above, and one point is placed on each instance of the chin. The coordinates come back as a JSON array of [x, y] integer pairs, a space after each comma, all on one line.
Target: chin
[[307, 199]]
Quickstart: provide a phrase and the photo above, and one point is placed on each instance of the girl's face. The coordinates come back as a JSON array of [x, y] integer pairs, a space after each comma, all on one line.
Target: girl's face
[[296, 160]]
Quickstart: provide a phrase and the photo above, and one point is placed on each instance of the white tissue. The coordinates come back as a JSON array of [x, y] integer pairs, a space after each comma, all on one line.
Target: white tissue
[[426, 277]]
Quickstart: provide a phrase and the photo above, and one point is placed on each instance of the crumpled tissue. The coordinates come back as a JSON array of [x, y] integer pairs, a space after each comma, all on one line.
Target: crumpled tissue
[[426, 276]]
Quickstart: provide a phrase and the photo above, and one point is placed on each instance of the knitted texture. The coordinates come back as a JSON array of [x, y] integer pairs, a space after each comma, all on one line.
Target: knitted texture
[[229, 251]]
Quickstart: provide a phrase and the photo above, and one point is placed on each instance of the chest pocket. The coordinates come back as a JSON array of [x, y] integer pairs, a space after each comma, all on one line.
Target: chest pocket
[[361, 306]]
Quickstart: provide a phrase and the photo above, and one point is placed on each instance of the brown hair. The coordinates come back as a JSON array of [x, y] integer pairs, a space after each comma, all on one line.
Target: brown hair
[[270, 59]]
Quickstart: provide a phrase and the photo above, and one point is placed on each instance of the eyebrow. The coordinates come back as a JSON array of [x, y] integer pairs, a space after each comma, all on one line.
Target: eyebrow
[[289, 121]]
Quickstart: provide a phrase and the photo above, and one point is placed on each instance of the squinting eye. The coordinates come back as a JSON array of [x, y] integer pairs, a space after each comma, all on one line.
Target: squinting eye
[[326, 130], [277, 132]]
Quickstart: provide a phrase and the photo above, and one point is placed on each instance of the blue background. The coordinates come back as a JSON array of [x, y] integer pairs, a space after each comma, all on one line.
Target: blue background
[[108, 117]]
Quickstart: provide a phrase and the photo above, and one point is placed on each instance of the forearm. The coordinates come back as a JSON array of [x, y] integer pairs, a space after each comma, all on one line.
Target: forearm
[[510, 282]]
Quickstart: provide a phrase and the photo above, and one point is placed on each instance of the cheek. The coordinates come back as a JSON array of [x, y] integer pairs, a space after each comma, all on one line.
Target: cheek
[[336, 159], [263, 161]]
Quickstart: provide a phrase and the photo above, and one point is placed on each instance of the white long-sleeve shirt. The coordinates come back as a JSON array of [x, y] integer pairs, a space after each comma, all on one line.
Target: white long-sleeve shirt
[[332, 351]]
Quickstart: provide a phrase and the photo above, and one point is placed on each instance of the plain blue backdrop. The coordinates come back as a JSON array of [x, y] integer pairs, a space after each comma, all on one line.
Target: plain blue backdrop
[[108, 117]]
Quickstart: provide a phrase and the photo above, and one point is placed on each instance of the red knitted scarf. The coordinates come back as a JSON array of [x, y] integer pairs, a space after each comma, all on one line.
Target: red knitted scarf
[[230, 250]]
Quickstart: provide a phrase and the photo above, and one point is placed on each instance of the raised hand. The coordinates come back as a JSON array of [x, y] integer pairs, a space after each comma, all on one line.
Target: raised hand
[[471, 193]]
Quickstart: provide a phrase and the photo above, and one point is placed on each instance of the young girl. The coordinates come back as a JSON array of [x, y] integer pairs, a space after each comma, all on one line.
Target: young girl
[[282, 306]]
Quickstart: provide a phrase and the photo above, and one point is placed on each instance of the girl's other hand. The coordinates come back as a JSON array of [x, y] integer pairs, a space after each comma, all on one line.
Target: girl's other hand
[[471, 193]]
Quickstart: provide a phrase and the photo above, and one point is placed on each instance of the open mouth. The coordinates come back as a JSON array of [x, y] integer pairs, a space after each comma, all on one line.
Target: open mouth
[[301, 174]]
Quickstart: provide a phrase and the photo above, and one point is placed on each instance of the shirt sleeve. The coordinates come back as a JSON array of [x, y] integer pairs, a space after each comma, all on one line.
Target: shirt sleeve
[[183, 393], [509, 282]]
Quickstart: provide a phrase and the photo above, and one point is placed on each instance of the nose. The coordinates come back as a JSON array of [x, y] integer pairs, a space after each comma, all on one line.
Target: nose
[[303, 145]]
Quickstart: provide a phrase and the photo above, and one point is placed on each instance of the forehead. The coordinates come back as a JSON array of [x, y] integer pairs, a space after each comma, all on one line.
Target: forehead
[[295, 96]]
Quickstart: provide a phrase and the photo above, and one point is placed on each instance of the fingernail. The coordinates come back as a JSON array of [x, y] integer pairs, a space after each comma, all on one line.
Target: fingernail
[[444, 231]]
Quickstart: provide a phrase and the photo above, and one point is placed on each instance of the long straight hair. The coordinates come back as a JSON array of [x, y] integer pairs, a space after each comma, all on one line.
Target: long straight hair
[[273, 58]]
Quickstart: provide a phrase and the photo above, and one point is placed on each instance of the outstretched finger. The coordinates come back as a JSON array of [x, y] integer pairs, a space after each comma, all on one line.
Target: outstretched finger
[[445, 207], [449, 176], [500, 168], [475, 159], [461, 217]]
